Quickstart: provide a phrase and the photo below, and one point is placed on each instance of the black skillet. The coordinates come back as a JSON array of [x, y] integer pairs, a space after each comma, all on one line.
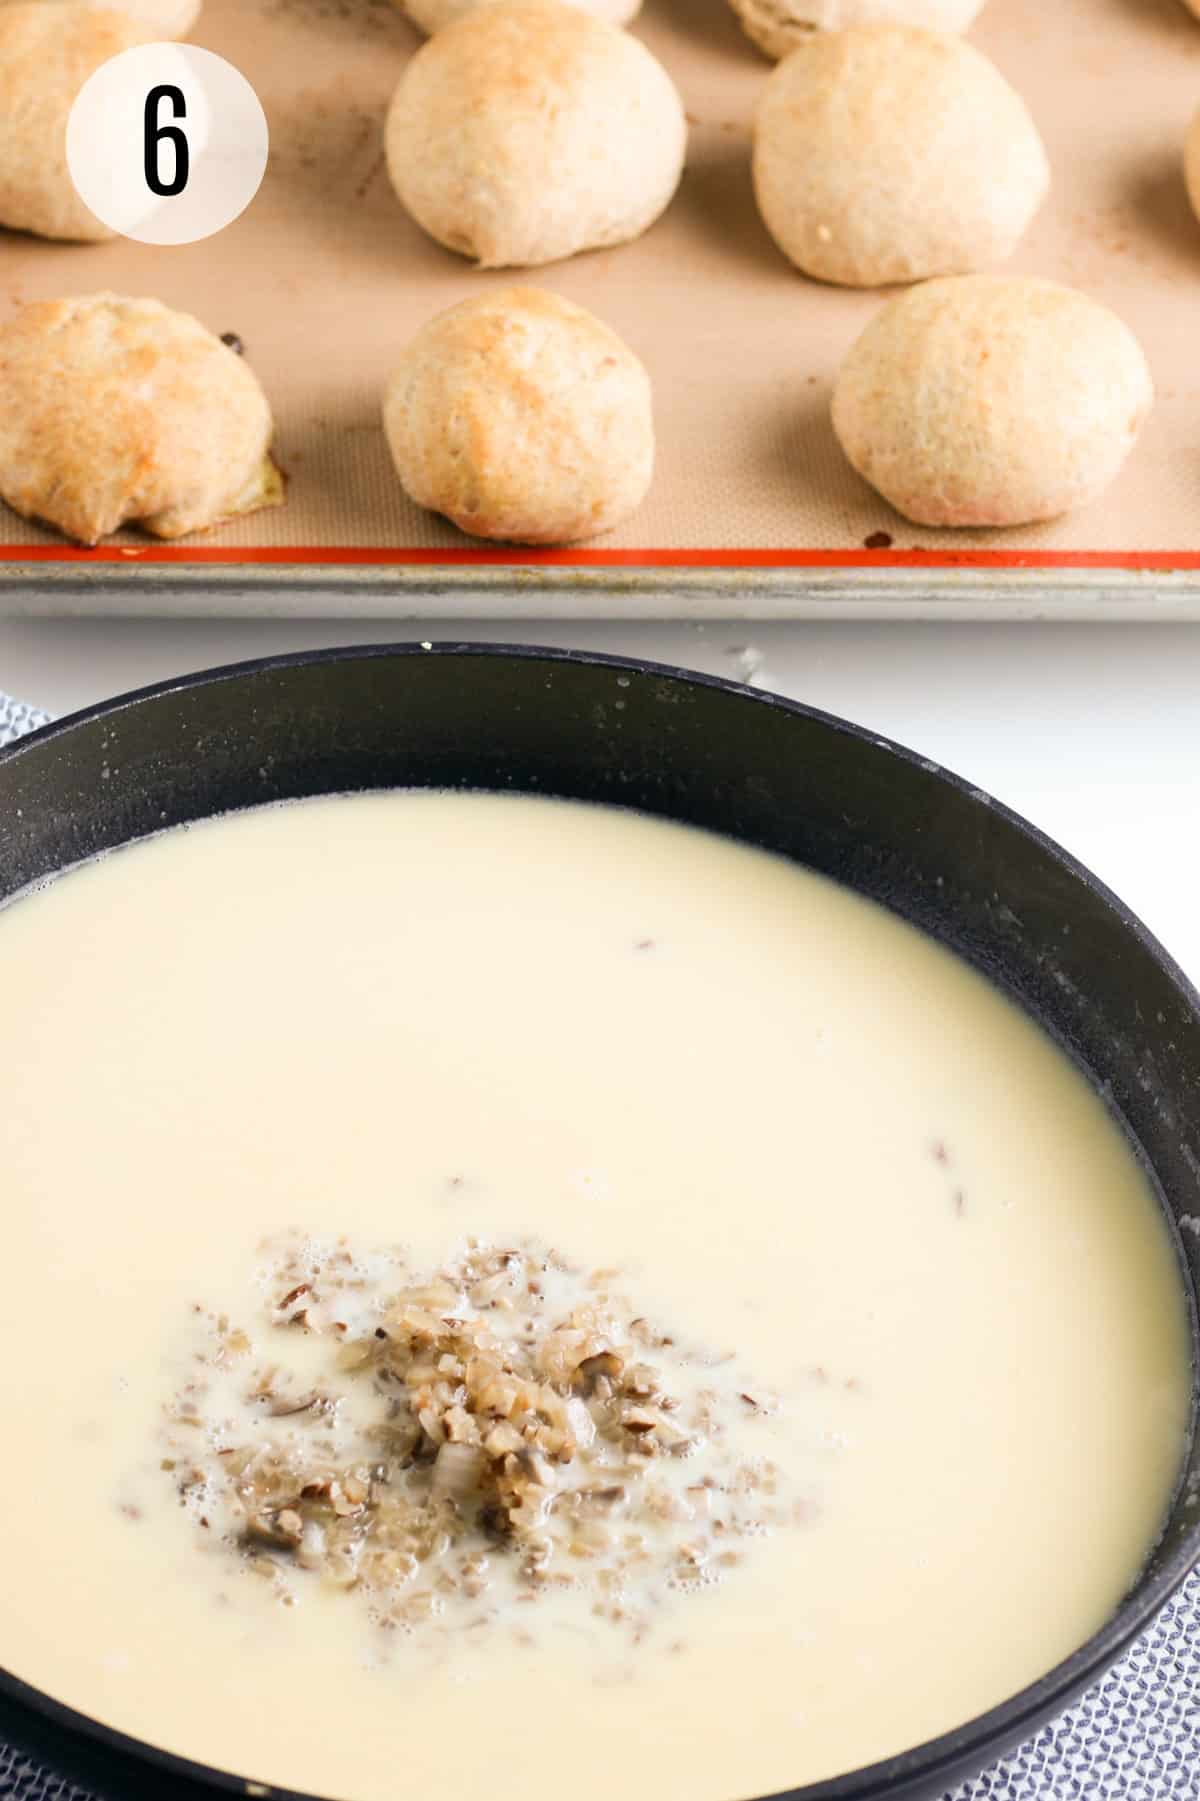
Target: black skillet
[[883, 821]]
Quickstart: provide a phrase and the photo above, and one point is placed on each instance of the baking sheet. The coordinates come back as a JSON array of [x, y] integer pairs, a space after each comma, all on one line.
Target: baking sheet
[[754, 511]]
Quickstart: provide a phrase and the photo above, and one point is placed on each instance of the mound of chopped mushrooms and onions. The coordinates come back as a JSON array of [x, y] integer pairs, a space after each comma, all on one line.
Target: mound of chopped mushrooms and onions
[[505, 1429]]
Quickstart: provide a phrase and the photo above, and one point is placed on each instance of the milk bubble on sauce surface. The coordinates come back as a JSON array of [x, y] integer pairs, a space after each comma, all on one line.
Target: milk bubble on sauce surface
[[805, 1135]]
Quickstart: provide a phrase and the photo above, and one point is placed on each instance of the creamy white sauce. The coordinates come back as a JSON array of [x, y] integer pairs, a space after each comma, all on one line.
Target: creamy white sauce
[[801, 1127]]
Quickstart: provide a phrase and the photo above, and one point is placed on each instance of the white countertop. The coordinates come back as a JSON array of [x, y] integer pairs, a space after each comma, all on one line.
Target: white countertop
[[1091, 731]]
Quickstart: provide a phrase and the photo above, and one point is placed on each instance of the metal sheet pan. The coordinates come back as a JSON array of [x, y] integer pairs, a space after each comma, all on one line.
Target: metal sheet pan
[[754, 513], [233, 591]]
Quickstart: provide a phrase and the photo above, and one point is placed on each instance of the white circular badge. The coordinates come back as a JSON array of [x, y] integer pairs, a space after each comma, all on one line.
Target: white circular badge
[[167, 143]]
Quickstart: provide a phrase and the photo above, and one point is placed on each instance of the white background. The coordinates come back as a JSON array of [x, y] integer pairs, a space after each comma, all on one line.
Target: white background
[[1091, 731]]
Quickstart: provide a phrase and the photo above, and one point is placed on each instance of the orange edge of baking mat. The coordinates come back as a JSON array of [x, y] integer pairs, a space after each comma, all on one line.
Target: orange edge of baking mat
[[617, 559]]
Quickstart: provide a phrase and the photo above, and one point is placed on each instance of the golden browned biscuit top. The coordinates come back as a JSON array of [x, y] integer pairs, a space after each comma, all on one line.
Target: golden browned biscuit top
[[434, 15], [990, 400], [522, 417], [529, 130], [47, 53], [777, 26], [121, 410]]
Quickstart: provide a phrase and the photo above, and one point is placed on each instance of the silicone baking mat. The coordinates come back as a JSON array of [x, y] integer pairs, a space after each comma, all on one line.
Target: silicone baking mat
[[325, 277]]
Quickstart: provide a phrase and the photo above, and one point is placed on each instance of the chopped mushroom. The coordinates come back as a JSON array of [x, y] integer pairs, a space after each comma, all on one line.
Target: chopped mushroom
[[505, 1420]]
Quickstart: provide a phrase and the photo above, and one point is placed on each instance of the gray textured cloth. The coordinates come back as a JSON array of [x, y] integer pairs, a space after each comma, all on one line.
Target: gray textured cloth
[[1134, 1737], [15, 719]]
